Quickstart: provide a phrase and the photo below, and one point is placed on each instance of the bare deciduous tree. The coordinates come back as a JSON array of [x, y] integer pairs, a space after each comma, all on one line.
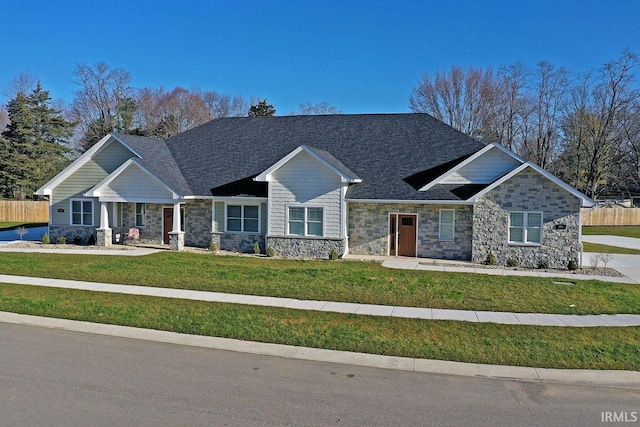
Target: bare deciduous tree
[[315, 109], [103, 103], [460, 97]]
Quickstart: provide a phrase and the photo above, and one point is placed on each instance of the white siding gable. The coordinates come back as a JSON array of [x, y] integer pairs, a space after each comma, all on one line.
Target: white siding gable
[[306, 181], [483, 170], [134, 183]]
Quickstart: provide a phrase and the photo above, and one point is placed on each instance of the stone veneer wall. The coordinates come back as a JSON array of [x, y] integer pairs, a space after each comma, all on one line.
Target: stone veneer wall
[[527, 191], [296, 247], [369, 229], [71, 232], [238, 242], [152, 231], [197, 223]]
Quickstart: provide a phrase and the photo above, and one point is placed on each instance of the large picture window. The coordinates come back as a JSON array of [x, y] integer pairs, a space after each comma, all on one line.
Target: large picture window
[[305, 221], [82, 212], [525, 227], [447, 224], [141, 214], [243, 218]]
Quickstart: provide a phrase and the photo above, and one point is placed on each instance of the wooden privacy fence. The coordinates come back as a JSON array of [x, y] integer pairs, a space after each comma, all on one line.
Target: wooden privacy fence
[[24, 211], [611, 216]]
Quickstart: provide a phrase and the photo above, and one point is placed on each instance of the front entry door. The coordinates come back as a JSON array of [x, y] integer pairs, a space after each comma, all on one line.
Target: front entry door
[[402, 235], [168, 224]]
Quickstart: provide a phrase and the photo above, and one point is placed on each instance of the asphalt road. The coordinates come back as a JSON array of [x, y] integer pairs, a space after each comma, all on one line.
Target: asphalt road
[[59, 378]]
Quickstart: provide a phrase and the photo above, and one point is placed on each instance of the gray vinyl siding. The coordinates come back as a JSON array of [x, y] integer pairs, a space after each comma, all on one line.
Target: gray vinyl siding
[[304, 181], [483, 170], [129, 183], [219, 216], [95, 170]]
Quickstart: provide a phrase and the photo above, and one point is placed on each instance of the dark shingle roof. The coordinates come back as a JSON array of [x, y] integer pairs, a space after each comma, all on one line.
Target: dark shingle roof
[[381, 149], [157, 158]]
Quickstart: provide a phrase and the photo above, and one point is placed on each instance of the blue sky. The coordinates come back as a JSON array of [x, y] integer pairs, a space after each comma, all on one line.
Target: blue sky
[[359, 56]]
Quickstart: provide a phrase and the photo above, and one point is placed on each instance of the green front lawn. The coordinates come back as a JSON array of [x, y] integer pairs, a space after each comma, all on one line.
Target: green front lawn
[[630, 231], [606, 249], [347, 281], [541, 346]]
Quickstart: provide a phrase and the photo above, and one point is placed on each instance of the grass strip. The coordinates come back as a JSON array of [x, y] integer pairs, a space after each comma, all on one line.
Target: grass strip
[[350, 281], [606, 249], [623, 231], [519, 345]]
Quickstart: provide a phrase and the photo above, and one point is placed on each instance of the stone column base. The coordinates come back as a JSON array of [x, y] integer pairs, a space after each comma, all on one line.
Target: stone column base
[[103, 237], [176, 240]]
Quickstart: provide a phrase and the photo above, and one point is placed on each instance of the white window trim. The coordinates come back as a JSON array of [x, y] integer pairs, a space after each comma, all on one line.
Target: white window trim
[[242, 205], [144, 215], [453, 224], [81, 213], [525, 223], [304, 221]]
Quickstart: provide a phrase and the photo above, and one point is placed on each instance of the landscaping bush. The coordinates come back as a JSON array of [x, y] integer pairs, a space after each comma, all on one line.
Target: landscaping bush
[[333, 255], [213, 247], [62, 240], [491, 259], [45, 239], [256, 248], [92, 240], [542, 263], [270, 252], [572, 265], [512, 262]]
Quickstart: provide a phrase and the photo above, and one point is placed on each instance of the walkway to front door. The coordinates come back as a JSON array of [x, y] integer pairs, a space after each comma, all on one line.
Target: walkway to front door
[[402, 234]]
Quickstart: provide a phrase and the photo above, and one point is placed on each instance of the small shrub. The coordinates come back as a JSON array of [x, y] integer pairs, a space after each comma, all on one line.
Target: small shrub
[[62, 240], [512, 262], [491, 259], [256, 248], [45, 239], [213, 247], [270, 252], [92, 240], [21, 231], [605, 258], [572, 265], [333, 255], [542, 263], [77, 240]]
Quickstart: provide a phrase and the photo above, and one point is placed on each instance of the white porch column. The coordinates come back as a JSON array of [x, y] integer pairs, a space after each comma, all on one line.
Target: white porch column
[[176, 236], [104, 216], [176, 218], [103, 234]]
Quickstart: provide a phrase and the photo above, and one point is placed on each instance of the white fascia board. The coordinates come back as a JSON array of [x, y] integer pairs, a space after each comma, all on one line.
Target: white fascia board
[[95, 191], [46, 189], [457, 167], [585, 201], [414, 202], [266, 175], [238, 198]]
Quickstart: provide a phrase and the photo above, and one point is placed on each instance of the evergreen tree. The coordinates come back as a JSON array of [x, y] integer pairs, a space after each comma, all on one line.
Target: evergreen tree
[[34, 146], [262, 109]]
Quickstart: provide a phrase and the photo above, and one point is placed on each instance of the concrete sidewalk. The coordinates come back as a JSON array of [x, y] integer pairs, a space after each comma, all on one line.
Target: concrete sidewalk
[[116, 250], [604, 378], [343, 307]]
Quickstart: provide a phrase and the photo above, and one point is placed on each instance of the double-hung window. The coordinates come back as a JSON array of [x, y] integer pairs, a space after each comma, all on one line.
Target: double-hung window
[[447, 224], [305, 221], [141, 214], [82, 212], [525, 227], [243, 218]]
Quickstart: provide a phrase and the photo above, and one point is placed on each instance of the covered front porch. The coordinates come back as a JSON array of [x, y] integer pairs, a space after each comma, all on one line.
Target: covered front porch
[[161, 223]]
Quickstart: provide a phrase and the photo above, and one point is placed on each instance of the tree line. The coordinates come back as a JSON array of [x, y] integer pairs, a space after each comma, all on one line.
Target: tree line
[[39, 137], [584, 128]]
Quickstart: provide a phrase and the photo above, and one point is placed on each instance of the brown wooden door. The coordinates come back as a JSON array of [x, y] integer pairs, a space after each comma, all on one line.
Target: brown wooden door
[[407, 235], [168, 224]]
